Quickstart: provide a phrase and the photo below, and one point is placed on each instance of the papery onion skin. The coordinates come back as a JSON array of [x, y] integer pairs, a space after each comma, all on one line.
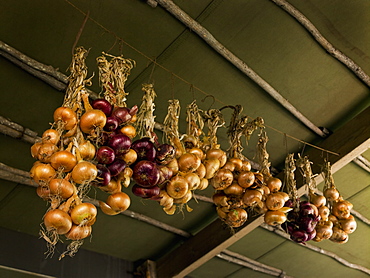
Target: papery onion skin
[[119, 201], [122, 114], [145, 192], [57, 220], [274, 217], [79, 232], [128, 130], [246, 179], [87, 150], [177, 187], [67, 116], [103, 175], [105, 155], [92, 120], [165, 153], [236, 217], [251, 197], [120, 143], [64, 160], [50, 136], [42, 173], [43, 192], [222, 179], [117, 167], [83, 213], [145, 149], [84, 172], [45, 151], [274, 184], [111, 124], [234, 189], [275, 201], [146, 173], [61, 187], [188, 162], [103, 105]]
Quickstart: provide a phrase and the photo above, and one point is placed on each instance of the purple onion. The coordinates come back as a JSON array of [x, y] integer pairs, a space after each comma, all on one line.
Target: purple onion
[[145, 149], [120, 143], [146, 192], [299, 236], [105, 155], [103, 177], [111, 124], [146, 173], [103, 105], [134, 110], [122, 114], [311, 235], [117, 167], [307, 224]]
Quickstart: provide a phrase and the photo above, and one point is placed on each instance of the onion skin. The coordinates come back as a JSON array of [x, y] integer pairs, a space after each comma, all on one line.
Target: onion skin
[[83, 213], [246, 179], [236, 217], [275, 201], [84, 172], [119, 201], [331, 194], [212, 166], [66, 116], [218, 154], [64, 160], [251, 197], [57, 220], [50, 136], [274, 217], [177, 187], [348, 225], [61, 187], [111, 124], [342, 209], [234, 189], [122, 114], [222, 179], [43, 192], [92, 120], [120, 143], [103, 105], [165, 153], [339, 236], [146, 192], [274, 184], [79, 232], [189, 162], [45, 151], [128, 130], [145, 149], [105, 155], [116, 167], [87, 150], [42, 173], [146, 173]]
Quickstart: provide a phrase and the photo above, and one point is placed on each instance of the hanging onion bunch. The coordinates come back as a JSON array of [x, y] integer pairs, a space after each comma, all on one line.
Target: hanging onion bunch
[[304, 216], [337, 213], [63, 169], [114, 155]]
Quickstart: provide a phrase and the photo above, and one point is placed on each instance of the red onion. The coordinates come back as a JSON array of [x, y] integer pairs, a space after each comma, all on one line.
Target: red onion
[[122, 114], [111, 124], [103, 178], [146, 192], [299, 236], [105, 155], [134, 110], [116, 167], [146, 173], [103, 105], [307, 224], [120, 143], [145, 149]]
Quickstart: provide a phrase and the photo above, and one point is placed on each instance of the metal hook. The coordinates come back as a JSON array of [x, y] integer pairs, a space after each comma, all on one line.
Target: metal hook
[[214, 100]]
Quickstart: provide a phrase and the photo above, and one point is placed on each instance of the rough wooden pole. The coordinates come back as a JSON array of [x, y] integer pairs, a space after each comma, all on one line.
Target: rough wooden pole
[[237, 62], [348, 62]]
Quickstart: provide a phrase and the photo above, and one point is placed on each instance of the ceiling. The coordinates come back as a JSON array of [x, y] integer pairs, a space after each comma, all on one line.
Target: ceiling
[[250, 53]]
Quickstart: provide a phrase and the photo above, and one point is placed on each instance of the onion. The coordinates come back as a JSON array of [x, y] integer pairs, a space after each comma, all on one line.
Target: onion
[[45, 151], [166, 200], [145, 149], [122, 114], [112, 187], [83, 214], [201, 171], [42, 173], [331, 194], [146, 192], [61, 187], [87, 150], [222, 179], [165, 153], [275, 201], [220, 199], [84, 172], [66, 116], [130, 157], [35, 149], [324, 229], [339, 236], [119, 201], [177, 187], [189, 162], [324, 212], [307, 224], [274, 184], [193, 180], [92, 120], [184, 199], [299, 236], [128, 130], [203, 184], [165, 174], [103, 176], [174, 166], [236, 217], [229, 166], [212, 166], [234, 189], [105, 155], [218, 154], [348, 225], [106, 209], [79, 232], [146, 173], [63, 160], [251, 197], [246, 179], [43, 192], [120, 143], [57, 220], [274, 217], [342, 209], [116, 167], [103, 105], [246, 166], [237, 162], [197, 151], [111, 124], [50, 136], [317, 200]]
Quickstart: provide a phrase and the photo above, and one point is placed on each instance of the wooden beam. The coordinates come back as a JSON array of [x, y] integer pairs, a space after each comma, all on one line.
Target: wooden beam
[[349, 141]]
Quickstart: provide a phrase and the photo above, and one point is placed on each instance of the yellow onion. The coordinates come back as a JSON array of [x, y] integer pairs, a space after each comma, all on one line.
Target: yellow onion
[[339, 236], [348, 225], [63, 160], [275, 201], [78, 232], [246, 179], [189, 162], [201, 171], [220, 199], [166, 200], [177, 187], [184, 199], [87, 150], [45, 152], [61, 187], [274, 184], [317, 200], [331, 194], [246, 166], [324, 212], [83, 214], [234, 189], [50, 136], [119, 201], [237, 162], [251, 197], [42, 173], [342, 209], [66, 116], [203, 184], [193, 180], [275, 217], [212, 166], [236, 217], [218, 154], [84, 172], [222, 179], [57, 220]]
